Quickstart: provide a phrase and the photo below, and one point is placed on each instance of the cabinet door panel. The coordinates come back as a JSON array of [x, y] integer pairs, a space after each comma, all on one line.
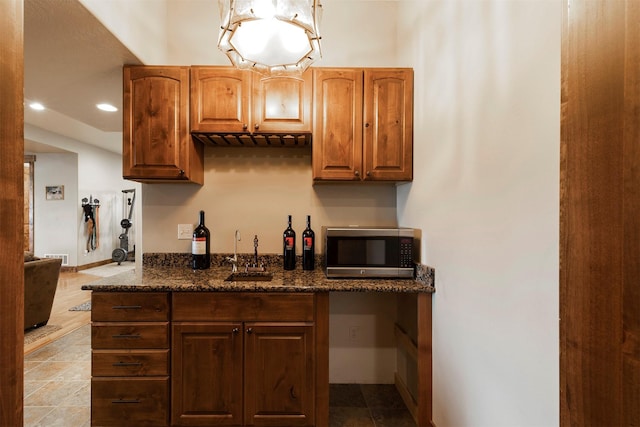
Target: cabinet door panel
[[156, 135], [206, 374], [282, 104], [388, 124], [279, 374], [220, 99], [337, 124]]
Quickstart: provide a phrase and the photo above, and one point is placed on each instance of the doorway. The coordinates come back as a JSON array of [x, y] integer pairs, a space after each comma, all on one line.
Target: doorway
[[29, 164]]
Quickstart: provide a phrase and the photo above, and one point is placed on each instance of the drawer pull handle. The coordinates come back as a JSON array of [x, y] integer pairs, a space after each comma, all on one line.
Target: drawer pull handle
[[127, 364], [126, 401], [126, 336], [126, 307]]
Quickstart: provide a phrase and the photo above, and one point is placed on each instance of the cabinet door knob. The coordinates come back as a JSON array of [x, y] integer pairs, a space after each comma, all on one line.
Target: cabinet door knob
[[357, 173], [235, 330], [256, 126], [249, 330], [244, 126], [368, 173], [366, 125], [181, 172]]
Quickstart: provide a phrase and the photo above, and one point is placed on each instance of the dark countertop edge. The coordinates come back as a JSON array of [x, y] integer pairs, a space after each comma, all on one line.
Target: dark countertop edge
[[243, 288]]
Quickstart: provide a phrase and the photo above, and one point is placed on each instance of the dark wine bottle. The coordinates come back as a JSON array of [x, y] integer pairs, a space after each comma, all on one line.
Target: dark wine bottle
[[200, 255], [289, 247], [308, 246]]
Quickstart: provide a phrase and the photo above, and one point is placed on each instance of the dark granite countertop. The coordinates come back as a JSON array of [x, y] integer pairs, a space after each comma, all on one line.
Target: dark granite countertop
[[179, 278]]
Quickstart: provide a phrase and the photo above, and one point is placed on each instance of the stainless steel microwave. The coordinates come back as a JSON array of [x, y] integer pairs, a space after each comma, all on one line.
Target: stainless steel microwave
[[383, 252]]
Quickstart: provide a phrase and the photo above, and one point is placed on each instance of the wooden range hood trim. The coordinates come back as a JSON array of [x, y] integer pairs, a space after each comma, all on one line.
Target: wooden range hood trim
[[299, 140]]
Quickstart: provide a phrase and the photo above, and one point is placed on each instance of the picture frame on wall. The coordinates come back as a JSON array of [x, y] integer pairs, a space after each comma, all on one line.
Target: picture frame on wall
[[54, 192]]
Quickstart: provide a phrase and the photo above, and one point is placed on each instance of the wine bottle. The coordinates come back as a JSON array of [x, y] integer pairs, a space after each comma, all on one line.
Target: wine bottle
[[308, 246], [289, 247], [200, 255]]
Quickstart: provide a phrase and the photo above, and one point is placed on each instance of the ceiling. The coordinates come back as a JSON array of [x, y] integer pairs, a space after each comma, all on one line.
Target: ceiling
[[71, 63]]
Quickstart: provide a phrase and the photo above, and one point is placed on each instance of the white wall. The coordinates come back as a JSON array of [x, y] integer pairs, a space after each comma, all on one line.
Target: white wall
[[55, 222], [485, 194], [354, 33], [140, 25], [87, 171]]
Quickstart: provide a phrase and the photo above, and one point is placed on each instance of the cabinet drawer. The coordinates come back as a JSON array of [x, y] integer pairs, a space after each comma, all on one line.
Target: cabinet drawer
[[129, 335], [246, 306], [129, 306], [120, 363], [130, 401]]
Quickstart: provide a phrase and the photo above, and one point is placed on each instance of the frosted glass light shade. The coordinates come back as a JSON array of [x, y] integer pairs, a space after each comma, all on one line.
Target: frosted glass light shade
[[270, 36]]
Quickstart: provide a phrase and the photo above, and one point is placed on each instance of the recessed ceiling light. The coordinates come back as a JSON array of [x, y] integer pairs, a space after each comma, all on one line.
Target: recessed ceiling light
[[106, 107], [36, 106]]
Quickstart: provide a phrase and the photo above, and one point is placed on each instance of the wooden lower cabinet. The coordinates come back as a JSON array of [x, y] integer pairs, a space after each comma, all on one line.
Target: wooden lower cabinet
[[248, 371], [209, 359]]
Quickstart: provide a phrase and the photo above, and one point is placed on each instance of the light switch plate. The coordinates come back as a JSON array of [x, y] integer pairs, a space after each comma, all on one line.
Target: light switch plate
[[185, 231]]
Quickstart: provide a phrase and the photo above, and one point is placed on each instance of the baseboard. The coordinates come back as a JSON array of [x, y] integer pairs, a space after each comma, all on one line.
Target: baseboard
[[86, 266]]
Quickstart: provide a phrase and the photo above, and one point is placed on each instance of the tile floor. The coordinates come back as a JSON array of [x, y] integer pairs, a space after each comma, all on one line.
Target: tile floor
[[57, 388], [367, 405]]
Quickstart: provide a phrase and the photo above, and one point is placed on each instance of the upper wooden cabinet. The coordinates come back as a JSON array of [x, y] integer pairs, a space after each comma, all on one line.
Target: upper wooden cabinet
[[228, 100], [157, 145], [363, 124]]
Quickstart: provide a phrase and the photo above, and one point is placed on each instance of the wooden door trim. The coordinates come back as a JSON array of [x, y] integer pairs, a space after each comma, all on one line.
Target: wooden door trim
[[599, 211], [11, 211]]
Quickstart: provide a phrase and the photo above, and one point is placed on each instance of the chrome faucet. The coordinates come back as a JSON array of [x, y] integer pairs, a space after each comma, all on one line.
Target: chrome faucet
[[255, 267], [234, 260]]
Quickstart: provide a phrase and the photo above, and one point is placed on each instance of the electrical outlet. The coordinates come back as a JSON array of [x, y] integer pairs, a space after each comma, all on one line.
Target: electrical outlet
[[185, 231], [354, 333]]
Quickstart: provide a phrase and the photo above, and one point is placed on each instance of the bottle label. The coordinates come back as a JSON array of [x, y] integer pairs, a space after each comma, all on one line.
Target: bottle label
[[199, 246], [308, 242], [288, 242]]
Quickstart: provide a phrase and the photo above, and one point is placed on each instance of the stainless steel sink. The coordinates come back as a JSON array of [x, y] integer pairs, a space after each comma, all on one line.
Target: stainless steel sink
[[249, 277]]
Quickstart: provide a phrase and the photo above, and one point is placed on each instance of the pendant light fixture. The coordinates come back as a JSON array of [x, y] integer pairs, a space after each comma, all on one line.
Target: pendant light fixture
[[273, 37]]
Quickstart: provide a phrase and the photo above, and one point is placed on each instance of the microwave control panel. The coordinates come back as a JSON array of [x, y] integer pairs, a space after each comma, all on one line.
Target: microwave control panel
[[406, 252]]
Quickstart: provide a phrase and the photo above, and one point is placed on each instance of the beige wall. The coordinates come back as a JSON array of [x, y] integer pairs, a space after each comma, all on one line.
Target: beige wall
[[253, 190], [485, 194]]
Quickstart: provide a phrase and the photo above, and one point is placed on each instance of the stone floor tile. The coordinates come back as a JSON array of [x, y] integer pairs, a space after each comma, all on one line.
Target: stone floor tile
[[346, 395], [33, 414], [384, 417], [350, 417], [47, 371], [54, 392], [31, 386], [65, 417]]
